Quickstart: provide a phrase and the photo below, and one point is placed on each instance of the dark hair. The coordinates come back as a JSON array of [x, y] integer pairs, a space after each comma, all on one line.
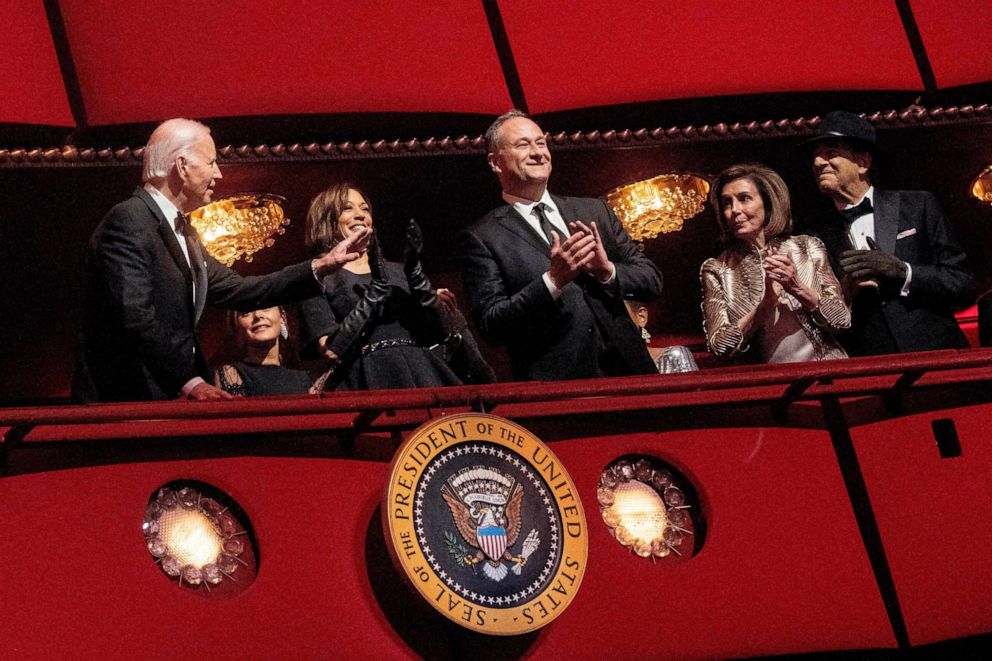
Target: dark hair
[[492, 133], [322, 232], [774, 195]]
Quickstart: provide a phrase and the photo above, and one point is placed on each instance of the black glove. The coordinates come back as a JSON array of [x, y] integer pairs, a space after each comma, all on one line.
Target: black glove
[[355, 327], [864, 264], [414, 247], [420, 286], [377, 265]]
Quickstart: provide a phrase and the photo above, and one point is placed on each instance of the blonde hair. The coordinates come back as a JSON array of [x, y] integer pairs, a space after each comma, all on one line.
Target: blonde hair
[[774, 195]]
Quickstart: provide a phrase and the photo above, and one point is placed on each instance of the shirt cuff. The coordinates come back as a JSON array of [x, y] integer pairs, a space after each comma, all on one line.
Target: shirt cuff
[[192, 383], [909, 278], [613, 275], [554, 291], [313, 269]]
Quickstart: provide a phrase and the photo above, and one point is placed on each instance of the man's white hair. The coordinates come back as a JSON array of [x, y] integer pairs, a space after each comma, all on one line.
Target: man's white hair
[[171, 139]]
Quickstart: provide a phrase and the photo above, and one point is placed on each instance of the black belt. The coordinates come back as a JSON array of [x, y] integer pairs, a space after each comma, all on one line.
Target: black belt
[[385, 344]]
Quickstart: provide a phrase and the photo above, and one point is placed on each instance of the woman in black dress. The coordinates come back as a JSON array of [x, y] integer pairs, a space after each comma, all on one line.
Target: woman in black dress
[[376, 320], [259, 336]]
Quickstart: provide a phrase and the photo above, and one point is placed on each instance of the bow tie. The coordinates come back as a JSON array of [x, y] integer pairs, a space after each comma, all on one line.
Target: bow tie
[[862, 209]]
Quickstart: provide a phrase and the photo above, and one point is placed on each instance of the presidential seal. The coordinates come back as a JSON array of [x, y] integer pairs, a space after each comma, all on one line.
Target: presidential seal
[[486, 524]]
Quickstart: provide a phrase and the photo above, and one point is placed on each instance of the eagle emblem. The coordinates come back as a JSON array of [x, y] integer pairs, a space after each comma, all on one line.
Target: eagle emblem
[[486, 507]]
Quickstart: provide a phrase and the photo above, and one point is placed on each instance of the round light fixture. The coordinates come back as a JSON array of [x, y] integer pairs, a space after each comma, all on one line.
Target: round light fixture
[[644, 507], [198, 540]]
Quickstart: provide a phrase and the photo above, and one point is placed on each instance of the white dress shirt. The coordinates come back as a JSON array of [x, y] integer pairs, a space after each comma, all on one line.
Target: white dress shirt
[[863, 227], [525, 208]]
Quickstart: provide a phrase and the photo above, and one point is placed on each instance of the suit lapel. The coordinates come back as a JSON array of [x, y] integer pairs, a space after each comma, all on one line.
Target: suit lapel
[[509, 218], [886, 220], [200, 271], [168, 235]]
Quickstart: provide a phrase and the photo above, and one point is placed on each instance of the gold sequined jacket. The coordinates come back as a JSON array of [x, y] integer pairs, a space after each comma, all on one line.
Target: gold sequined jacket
[[734, 284]]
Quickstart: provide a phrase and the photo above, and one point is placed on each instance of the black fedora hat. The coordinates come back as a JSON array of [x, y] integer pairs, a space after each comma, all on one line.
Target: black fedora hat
[[842, 125]]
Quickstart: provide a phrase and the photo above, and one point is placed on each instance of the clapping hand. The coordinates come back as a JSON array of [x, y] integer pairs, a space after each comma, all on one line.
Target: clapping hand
[[780, 268], [414, 244], [867, 264], [377, 265], [599, 266], [570, 257]]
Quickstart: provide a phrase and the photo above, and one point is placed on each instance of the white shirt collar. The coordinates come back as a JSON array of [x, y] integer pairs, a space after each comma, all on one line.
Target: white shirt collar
[[870, 194], [169, 210], [525, 206]]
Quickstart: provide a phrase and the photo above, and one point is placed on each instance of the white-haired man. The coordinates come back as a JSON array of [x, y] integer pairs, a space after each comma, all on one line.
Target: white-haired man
[[148, 279]]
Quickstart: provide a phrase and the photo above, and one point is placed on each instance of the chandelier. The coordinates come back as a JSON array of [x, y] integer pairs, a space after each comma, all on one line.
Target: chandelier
[[981, 186], [240, 225], [660, 204]]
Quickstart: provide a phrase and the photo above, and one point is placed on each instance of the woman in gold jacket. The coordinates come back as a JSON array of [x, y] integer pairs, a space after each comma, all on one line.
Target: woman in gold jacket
[[768, 289]]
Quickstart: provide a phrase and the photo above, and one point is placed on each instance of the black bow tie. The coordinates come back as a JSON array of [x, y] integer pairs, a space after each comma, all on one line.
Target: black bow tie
[[862, 209]]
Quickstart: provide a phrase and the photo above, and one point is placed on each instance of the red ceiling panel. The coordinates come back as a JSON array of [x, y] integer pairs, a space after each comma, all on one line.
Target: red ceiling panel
[[159, 58], [591, 53], [956, 36], [30, 81]]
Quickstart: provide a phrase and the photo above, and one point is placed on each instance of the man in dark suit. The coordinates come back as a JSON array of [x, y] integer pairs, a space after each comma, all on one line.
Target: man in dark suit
[[902, 270], [547, 276], [148, 279]]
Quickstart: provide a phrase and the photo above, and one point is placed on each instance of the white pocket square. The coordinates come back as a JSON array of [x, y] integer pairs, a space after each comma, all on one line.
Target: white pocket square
[[903, 235]]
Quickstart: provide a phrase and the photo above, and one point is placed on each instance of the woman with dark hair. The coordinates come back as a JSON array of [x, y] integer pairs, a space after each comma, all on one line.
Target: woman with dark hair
[[768, 288], [260, 337], [376, 319]]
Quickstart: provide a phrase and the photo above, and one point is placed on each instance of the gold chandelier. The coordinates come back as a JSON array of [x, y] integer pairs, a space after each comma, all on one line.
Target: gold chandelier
[[240, 225], [660, 204], [981, 186]]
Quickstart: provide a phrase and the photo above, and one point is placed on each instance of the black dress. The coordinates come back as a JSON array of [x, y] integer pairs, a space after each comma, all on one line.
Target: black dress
[[265, 380], [393, 349]]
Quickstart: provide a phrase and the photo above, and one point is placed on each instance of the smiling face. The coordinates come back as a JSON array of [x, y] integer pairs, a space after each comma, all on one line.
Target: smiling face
[[840, 171], [260, 327], [199, 171], [355, 211], [521, 158], [743, 211]]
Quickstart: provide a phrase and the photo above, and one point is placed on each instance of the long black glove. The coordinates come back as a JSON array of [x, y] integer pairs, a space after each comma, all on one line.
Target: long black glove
[[363, 317], [420, 286], [432, 326]]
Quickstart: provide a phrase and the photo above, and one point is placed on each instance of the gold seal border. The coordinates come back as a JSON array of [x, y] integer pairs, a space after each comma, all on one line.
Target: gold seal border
[[409, 462]]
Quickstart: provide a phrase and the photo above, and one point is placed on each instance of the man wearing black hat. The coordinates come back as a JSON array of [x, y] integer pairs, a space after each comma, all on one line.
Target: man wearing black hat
[[903, 272]]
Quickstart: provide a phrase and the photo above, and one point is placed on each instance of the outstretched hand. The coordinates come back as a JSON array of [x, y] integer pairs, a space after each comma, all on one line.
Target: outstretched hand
[[346, 250]]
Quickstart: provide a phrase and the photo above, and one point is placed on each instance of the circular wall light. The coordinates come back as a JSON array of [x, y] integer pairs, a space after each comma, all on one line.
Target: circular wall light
[[645, 503], [200, 537]]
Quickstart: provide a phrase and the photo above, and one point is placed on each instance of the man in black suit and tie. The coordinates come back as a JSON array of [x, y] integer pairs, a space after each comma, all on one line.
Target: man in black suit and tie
[[902, 270], [148, 279], [547, 276]]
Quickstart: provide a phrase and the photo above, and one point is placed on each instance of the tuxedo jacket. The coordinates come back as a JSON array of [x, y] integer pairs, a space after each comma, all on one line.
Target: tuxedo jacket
[[138, 340], [587, 332], [910, 225]]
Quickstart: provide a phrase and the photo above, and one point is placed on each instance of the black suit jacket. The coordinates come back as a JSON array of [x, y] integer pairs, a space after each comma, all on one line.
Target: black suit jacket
[[910, 225], [587, 331], [138, 339]]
